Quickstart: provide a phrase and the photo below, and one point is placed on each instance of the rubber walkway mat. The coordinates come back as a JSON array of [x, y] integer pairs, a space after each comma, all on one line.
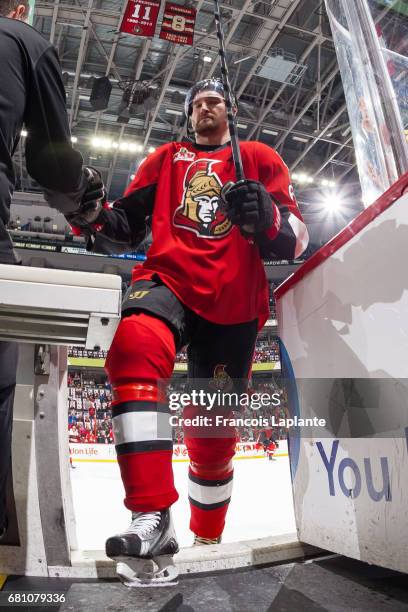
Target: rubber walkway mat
[[331, 584]]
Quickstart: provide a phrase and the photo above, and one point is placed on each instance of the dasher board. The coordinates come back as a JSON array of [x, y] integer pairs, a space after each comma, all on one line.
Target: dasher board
[[343, 326], [59, 306]]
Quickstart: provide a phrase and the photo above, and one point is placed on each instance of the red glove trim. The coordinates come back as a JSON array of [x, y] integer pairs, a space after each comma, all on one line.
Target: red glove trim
[[97, 227]]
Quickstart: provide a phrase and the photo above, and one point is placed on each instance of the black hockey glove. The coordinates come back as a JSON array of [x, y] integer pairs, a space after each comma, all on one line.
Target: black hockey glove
[[91, 205], [248, 205]]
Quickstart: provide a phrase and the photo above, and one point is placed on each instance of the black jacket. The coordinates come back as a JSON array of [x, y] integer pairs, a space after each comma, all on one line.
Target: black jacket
[[32, 93]]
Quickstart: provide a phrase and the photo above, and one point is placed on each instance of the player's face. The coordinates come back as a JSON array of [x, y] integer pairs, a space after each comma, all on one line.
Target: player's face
[[209, 113]]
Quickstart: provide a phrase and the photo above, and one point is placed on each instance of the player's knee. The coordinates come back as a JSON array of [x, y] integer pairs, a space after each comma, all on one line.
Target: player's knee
[[143, 348], [211, 452], [215, 469], [212, 471]]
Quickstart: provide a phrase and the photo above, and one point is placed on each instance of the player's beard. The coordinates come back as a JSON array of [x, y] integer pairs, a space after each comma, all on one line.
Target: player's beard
[[206, 125], [210, 126]]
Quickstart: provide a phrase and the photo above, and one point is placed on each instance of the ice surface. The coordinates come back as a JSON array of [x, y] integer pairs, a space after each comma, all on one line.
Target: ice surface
[[261, 503]]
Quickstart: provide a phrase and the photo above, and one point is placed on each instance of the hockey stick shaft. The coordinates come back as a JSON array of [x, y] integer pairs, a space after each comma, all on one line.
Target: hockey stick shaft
[[236, 152]]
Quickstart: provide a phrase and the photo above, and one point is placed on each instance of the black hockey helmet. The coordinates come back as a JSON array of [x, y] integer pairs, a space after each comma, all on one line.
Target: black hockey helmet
[[212, 84]]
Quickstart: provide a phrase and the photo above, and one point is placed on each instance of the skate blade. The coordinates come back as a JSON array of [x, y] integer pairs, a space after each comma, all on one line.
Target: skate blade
[[139, 573]]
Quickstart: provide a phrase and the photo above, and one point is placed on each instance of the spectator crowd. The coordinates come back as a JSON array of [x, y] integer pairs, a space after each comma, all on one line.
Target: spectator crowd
[[89, 415]]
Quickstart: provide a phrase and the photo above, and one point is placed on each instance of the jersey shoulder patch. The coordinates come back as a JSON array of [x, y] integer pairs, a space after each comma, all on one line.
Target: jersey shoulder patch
[[183, 154]]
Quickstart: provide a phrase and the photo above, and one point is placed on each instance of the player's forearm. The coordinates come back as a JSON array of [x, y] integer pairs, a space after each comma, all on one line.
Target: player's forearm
[[112, 233], [125, 225], [122, 227]]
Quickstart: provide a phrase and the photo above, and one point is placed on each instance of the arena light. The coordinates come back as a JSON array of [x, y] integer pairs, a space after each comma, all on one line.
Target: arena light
[[101, 143], [243, 59], [105, 143], [123, 146], [207, 59], [302, 178], [24, 133], [74, 139], [333, 203], [328, 183], [151, 149]]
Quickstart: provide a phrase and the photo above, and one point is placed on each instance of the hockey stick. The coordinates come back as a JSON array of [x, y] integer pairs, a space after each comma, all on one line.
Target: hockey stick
[[232, 126], [236, 152]]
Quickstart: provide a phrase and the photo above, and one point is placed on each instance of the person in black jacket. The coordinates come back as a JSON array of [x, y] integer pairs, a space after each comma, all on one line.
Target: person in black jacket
[[32, 93]]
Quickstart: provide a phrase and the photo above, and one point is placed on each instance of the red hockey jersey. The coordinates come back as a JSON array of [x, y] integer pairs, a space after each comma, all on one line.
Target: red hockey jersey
[[197, 253]]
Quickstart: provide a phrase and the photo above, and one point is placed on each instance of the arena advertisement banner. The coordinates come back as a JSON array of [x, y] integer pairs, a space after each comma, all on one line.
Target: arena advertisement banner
[[96, 362], [35, 246], [178, 24], [80, 251], [53, 246], [140, 17], [105, 453]]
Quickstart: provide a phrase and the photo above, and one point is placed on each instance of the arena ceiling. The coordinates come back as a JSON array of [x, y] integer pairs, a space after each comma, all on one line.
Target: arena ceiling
[[282, 65]]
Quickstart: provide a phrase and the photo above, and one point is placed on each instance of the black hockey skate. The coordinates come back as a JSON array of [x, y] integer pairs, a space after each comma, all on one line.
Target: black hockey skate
[[144, 553]]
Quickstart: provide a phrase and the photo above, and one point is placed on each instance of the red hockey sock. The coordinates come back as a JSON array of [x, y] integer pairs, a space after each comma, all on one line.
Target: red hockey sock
[[209, 498], [210, 480], [142, 353]]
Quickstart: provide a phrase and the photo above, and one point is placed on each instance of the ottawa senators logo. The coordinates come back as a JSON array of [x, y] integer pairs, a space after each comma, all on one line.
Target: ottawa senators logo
[[199, 211], [221, 379]]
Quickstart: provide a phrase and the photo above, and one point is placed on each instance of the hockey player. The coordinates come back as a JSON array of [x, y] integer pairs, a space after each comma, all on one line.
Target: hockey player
[[203, 285], [271, 449]]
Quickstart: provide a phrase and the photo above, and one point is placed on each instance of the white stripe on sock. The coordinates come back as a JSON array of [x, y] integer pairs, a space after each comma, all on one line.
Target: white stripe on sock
[[141, 427], [209, 495]]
